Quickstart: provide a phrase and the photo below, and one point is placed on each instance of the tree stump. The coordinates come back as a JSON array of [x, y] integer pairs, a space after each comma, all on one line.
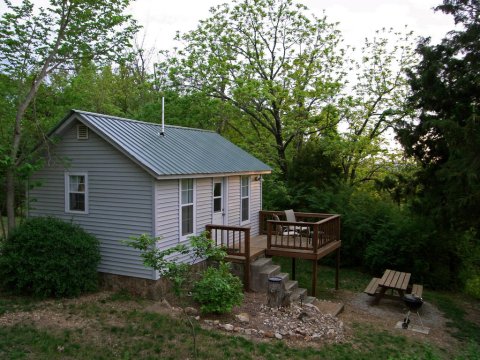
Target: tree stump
[[276, 292]]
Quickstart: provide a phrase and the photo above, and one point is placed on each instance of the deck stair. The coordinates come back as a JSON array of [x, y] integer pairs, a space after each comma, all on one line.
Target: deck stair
[[263, 268]]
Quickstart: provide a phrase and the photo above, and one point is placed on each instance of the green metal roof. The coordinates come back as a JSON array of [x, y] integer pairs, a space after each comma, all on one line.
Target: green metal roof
[[180, 151]]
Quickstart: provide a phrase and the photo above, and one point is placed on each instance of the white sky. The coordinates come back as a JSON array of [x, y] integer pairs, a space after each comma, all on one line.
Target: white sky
[[358, 18]]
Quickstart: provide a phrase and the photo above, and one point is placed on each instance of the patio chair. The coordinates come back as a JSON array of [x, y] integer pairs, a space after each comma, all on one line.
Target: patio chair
[[283, 230], [303, 230]]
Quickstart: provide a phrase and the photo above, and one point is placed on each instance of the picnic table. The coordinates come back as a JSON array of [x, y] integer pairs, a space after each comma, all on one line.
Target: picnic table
[[396, 281]]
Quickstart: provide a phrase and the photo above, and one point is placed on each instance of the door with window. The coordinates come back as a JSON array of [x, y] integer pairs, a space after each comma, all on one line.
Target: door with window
[[218, 216]]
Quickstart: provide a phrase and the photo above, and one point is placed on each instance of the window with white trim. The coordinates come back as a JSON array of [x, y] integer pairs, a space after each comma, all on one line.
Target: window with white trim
[[76, 192], [187, 208], [245, 198]]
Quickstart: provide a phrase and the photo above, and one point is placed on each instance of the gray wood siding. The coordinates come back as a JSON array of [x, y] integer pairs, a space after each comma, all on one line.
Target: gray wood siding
[[204, 203], [234, 200], [234, 208], [119, 194], [167, 211], [255, 205]]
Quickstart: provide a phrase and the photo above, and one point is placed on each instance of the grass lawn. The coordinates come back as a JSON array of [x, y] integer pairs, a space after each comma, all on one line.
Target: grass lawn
[[116, 326]]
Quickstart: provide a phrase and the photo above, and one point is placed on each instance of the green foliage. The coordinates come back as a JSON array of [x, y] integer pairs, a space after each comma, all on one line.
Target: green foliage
[[39, 42], [218, 291], [281, 82], [167, 261], [49, 257], [446, 138], [468, 250]]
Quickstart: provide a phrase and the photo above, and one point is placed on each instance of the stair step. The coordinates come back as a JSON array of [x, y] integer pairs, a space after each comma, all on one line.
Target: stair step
[[260, 276], [261, 262], [270, 270], [291, 285], [297, 293], [309, 300], [257, 279], [284, 277]]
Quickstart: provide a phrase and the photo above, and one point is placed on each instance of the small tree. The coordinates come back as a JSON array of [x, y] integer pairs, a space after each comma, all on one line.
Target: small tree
[[35, 43], [216, 289], [167, 261]]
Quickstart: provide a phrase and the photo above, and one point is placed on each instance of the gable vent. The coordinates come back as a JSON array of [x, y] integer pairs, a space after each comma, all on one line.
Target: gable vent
[[82, 132]]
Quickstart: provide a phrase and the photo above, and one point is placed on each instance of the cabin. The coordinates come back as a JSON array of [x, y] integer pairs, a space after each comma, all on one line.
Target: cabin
[[119, 178]]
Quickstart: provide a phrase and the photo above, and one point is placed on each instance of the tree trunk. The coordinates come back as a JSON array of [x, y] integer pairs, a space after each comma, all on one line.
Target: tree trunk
[[10, 188]]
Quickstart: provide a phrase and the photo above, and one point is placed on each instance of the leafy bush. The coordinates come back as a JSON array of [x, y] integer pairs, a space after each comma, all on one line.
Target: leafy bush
[[218, 291], [49, 257], [167, 262]]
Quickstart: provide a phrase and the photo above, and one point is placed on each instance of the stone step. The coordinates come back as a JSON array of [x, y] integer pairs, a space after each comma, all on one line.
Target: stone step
[[269, 271], [309, 299], [255, 278], [284, 277], [261, 262], [260, 277], [297, 293], [291, 285]]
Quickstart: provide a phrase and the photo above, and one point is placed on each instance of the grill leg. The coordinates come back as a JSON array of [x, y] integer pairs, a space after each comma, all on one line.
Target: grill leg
[[421, 322], [406, 321]]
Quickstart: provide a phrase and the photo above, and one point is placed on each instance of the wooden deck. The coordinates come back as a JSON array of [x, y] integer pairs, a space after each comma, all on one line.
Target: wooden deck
[[258, 248], [313, 237]]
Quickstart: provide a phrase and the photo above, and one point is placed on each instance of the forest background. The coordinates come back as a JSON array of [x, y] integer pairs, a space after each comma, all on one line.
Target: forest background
[[278, 82]]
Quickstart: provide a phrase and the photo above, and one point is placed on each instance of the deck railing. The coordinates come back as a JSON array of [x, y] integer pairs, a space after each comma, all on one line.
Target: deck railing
[[310, 232], [236, 242]]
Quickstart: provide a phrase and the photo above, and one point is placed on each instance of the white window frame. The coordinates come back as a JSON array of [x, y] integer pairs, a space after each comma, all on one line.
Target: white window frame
[[247, 221], [68, 174], [194, 199]]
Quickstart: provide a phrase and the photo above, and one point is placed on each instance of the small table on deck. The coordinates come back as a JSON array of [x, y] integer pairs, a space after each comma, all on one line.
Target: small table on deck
[[393, 280]]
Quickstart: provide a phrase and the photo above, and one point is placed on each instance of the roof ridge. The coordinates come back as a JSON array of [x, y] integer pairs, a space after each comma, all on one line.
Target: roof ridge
[[139, 121]]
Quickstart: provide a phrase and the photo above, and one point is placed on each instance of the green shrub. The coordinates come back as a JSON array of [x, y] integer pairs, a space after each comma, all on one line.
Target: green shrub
[[218, 291], [49, 257]]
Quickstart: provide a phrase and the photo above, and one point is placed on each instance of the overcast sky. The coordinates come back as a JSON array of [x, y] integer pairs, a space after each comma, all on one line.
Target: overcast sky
[[358, 18]]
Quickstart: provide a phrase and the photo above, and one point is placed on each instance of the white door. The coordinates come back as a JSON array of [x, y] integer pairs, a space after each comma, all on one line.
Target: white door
[[218, 201]]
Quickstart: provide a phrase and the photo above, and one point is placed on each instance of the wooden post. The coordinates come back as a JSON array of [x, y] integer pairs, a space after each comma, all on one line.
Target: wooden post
[[246, 272], [337, 268], [261, 225], [269, 235], [315, 237], [314, 278], [293, 268]]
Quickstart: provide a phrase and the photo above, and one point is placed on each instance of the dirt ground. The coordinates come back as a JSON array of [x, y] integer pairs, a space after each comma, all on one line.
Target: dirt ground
[[358, 310]]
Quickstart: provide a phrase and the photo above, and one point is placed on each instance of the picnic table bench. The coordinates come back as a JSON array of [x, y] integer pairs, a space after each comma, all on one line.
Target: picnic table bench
[[396, 281]]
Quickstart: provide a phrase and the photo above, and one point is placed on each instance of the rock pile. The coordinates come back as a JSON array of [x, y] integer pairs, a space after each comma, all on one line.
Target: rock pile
[[294, 322]]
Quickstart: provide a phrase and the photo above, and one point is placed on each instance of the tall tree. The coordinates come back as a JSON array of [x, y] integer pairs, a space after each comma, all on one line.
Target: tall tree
[[270, 60], [446, 139], [375, 104], [34, 43]]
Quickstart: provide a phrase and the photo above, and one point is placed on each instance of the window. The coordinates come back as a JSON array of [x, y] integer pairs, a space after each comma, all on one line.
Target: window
[[187, 213], [76, 192], [245, 198], [217, 197]]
